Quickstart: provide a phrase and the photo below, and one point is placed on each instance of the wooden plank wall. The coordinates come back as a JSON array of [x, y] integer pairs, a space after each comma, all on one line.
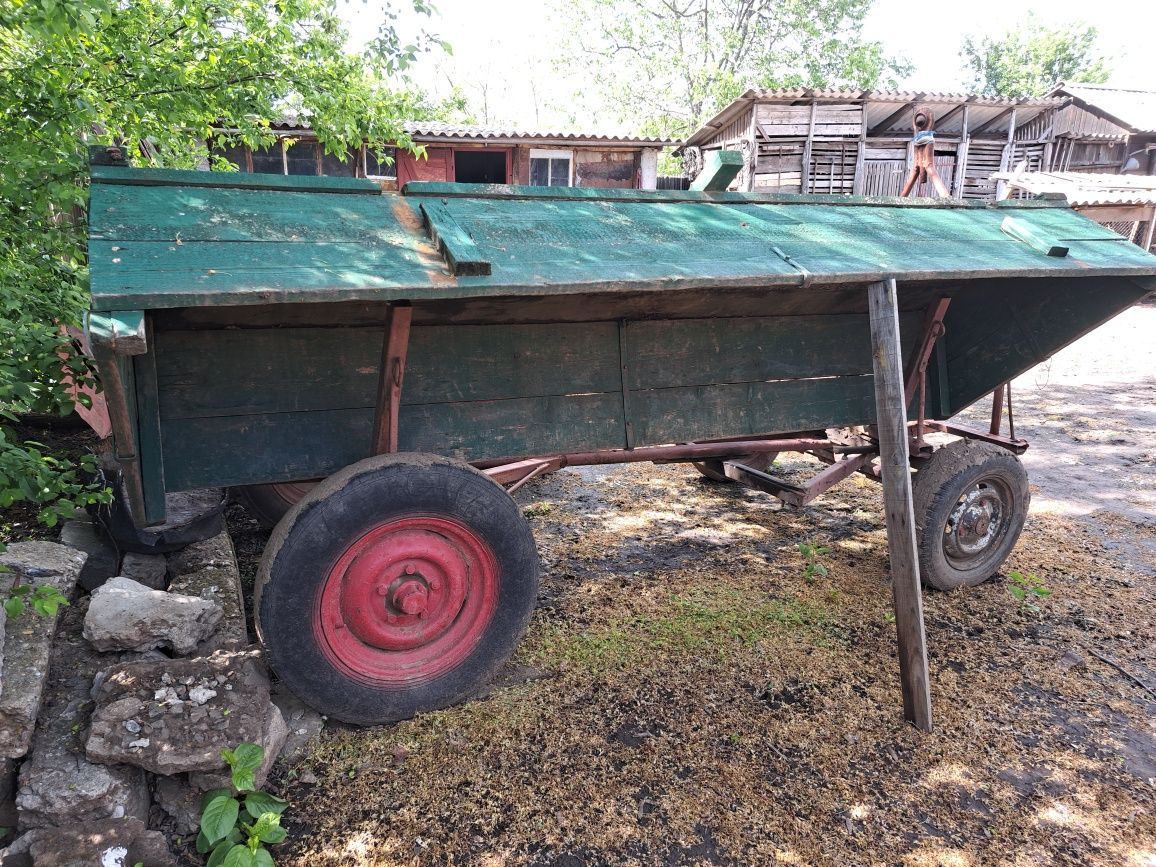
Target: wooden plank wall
[[254, 405]]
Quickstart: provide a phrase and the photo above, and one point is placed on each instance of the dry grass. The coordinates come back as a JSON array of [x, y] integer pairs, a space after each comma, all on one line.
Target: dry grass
[[706, 705]]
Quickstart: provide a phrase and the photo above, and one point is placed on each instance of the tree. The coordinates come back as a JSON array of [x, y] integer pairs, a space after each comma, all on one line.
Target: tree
[[671, 64], [1031, 60], [155, 77]]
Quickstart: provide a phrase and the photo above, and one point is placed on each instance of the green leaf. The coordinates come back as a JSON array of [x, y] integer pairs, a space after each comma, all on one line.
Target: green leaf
[[268, 828], [262, 858], [239, 856], [220, 851], [203, 844], [13, 608], [1017, 592], [219, 815], [257, 803], [248, 757]]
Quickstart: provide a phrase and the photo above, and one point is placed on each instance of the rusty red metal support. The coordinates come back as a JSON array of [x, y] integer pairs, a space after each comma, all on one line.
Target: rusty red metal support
[[799, 495], [394, 348], [997, 410], [916, 381], [1015, 446]]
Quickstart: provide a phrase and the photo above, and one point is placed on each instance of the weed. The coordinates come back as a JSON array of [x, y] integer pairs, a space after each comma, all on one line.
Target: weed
[[225, 836], [1026, 589], [538, 510], [811, 565], [45, 600]]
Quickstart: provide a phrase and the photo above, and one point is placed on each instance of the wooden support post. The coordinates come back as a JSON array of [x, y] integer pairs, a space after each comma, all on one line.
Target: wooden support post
[[1151, 233], [891, 421], [393, 352], [805, 181]]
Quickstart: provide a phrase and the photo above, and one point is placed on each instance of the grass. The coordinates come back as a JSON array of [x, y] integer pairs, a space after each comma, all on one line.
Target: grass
[[717, 620]]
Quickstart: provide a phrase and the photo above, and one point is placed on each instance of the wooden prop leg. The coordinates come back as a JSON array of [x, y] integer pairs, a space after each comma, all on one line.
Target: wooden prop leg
[[891, 422]]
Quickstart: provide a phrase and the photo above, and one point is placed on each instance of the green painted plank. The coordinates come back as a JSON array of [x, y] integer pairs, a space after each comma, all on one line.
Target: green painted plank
[[243, 372], [127, 213], [1005, 328], [455, 244], [719, 169], [253, 449], [114, 175], [701, 412], [683, 352], [1033, 237]]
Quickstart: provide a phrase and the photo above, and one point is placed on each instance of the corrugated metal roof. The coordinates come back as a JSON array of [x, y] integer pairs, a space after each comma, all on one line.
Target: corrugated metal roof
[[1086, 188], [879, 105], [1132, 108], [436, 131]]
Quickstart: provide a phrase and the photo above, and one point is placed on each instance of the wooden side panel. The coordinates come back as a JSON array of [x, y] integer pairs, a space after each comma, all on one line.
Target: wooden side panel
[[437, 165], [999, 329], [667, 415], [252, 449]]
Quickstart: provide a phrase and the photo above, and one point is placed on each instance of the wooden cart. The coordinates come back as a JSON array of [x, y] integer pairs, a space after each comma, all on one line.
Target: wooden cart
[[414, 352]]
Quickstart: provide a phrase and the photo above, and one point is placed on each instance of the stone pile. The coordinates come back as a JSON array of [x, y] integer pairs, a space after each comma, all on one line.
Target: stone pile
[[151, 677]]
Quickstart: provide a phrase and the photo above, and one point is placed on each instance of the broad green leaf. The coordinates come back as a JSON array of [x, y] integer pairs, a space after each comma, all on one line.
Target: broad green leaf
[[219, 816], [239, 856], [221, 850], [257, 803], [262, 858]]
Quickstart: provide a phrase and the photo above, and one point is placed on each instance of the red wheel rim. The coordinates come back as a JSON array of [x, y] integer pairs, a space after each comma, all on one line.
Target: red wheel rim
[[407, 601]]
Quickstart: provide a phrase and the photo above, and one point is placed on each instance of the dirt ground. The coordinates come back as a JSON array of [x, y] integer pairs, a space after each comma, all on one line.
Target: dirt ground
[[685, 696]]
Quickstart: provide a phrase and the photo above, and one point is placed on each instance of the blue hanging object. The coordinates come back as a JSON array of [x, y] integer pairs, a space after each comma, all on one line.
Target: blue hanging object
[[925, 136]]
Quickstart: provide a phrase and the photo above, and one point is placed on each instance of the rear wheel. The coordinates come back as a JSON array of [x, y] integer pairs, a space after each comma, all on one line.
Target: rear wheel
[[971, 500], [267, 504], [399, 585]]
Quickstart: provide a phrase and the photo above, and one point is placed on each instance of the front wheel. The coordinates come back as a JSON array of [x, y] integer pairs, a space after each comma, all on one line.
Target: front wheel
[[971, 500], [400, 584]]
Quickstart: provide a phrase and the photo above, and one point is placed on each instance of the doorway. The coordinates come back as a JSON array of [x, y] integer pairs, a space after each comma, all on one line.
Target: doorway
[[480, 167]]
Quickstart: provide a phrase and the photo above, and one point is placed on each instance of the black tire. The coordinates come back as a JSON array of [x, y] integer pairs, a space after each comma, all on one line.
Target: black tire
[[971, 500], [713, 468], [339, 519], [267, 504]]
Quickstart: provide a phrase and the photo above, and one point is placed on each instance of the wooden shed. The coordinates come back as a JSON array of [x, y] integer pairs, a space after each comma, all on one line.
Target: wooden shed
[[860, 142], [469, 154]]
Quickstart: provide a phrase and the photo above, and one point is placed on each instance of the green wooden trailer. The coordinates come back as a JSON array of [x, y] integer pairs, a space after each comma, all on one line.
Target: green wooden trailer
[[376, 366]]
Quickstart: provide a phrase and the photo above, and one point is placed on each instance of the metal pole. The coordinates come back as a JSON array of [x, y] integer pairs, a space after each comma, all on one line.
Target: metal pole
[[891, 423]]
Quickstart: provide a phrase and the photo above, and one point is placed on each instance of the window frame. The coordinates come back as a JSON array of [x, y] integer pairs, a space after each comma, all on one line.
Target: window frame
[[549, 154]]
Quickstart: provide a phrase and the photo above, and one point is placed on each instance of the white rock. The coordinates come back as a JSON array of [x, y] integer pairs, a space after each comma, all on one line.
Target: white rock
[[125, 615], [200, 694]]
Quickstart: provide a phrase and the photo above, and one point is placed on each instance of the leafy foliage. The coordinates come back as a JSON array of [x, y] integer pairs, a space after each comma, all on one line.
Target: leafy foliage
[[671, 64], [811, 553], [156, 77], [45, 600], [227, 836], [1031, 60], [1026, 589]]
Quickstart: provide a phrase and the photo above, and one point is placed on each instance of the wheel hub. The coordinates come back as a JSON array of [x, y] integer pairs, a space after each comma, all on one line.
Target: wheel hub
[[976, 523], [408, 599]]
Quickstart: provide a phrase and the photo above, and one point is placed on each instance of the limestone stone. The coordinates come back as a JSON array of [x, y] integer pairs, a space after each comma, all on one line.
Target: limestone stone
[[304, 724], [175, 735], [209, 569], [58, 786], [127, 615], [85, 535], [272, 740], [28, 639], [108, 843], [151, 570]]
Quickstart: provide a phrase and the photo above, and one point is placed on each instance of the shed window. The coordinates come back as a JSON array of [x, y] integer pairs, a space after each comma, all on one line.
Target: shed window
[[551, 168]]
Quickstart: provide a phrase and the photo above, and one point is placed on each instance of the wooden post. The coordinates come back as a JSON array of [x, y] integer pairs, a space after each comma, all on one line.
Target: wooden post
[[394, 348], [805, 181], [891, 422], [1151, 230]]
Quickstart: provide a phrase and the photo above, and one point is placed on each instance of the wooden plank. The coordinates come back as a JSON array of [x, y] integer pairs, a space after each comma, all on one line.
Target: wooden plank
[[168, 214], [252, 449], [891, 425], [227, 371], [231, 180], [687, 352], [719, 169], [123, 331], [394, 348], [667, 415], [1033, 237], [150, 438], [807, 150], [453, 242]]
